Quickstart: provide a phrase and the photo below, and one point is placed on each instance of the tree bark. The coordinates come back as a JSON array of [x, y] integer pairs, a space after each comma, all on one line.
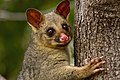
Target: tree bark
[[97, 33]]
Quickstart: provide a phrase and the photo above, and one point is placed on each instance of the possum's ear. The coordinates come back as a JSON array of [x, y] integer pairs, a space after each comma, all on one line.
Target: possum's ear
[[63, 8], [34, 18]]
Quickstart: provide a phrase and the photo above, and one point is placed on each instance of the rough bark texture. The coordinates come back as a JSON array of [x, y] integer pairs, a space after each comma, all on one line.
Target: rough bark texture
[[97, 33]]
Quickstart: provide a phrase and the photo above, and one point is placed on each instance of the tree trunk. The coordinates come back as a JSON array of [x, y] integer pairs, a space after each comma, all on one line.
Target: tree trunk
[[97, 33]]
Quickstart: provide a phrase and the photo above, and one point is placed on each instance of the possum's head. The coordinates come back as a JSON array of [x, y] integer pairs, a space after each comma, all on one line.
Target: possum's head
[[51, 29]]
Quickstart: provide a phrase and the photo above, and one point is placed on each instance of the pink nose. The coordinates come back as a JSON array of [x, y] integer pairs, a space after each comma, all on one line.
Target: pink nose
[[63, 38]]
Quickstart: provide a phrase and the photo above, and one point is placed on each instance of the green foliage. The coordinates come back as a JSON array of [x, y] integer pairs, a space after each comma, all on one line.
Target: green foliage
[[14, 35]]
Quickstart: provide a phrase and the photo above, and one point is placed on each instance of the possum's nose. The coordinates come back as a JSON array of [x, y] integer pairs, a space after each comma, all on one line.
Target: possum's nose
[[63, 38]]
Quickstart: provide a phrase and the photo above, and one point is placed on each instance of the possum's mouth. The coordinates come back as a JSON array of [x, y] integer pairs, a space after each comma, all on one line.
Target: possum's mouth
[[64, 42], [61, 40]]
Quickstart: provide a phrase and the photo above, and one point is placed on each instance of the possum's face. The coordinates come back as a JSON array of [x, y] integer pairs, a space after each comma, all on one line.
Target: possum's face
[[52, 29], [57, 31]]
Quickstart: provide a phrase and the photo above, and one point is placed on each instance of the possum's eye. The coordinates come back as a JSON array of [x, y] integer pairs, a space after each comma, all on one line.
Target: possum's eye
[[50, 32], [65, 26]]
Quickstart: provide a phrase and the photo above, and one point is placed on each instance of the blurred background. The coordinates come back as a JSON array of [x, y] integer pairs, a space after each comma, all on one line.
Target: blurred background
[[15, 32]]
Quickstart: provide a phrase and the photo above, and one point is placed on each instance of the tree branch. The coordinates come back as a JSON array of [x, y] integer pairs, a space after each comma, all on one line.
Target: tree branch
[[11, 16], [2, 78]]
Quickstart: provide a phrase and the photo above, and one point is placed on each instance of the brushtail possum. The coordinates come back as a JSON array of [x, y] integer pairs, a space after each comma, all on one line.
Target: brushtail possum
[[47, 57]]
